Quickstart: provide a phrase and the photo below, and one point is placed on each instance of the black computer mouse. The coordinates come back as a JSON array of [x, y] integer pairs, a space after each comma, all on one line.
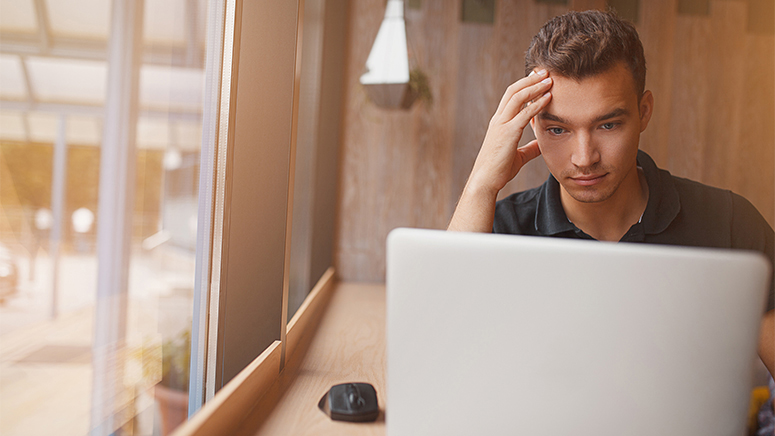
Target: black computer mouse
[[354, 402]]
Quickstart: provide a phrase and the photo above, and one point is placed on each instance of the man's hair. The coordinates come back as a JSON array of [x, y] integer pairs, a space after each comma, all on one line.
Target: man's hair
[[583, 44]]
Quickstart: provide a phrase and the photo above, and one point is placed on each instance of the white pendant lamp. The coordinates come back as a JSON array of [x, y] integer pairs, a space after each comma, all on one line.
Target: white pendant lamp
[[387, 69]]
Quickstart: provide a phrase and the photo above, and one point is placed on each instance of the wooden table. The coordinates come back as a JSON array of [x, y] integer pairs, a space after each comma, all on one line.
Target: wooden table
[[347, 346]]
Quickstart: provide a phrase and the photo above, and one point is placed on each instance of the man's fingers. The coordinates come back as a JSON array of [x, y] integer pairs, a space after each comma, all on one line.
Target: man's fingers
[[532, 79], [531, 110], [524, 98], [529, 151]]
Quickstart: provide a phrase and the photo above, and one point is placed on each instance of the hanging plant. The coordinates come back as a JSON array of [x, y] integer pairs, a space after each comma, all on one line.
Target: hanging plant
[[418, 84]]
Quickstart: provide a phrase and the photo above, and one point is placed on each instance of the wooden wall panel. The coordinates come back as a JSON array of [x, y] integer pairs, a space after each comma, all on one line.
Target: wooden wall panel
[[754, 153], [689, 98], [725, 103], [436, 25], [583, 5], [475, 99], [714, 119], [657, 32], [393, 160], [358, 154]]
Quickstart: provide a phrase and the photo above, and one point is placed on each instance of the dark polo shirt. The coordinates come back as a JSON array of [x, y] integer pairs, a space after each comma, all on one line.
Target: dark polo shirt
[[679, 212]]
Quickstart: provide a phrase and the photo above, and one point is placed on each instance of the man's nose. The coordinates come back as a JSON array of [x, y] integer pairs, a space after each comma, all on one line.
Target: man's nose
[[585, 152]]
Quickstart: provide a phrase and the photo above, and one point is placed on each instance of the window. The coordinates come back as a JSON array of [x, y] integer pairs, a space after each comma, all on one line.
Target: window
[[146, 156], [92, 338]]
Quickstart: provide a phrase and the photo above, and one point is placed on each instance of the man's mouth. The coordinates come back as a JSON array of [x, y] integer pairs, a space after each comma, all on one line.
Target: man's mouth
[[589, 179]]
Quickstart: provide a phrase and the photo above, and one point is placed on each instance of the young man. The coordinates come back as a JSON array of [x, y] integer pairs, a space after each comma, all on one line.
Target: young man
[[585, 99]]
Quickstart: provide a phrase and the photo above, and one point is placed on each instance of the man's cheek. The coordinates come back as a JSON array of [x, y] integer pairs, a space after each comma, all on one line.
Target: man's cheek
[[553, 151]]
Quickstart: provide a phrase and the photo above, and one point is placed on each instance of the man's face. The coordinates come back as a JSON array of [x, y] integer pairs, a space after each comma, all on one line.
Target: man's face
[[589, 132]]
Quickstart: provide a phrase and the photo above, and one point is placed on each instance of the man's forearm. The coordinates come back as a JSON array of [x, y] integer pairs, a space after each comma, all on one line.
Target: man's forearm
[[501, 157], [767, 341], [475, 211]]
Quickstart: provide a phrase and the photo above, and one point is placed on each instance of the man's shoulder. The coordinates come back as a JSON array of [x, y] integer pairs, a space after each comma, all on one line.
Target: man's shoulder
[[516, 214], [696, 192], [712, 213], [529, 196], [679, 200], [696, 195], [685, 185]]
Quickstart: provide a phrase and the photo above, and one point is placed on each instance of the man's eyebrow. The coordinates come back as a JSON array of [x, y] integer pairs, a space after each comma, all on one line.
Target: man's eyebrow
[[547, 116], [613, 114], [551, 117]]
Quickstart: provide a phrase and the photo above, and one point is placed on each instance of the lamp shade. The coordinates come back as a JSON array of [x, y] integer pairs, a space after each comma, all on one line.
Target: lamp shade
[[387, 68]]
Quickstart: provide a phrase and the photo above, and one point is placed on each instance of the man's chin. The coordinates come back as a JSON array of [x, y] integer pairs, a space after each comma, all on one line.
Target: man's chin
[[589, 195]]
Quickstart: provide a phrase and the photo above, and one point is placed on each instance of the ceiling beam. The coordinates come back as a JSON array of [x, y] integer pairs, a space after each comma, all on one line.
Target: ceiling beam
[[92, 110], [28, 89], [94, 50], [193, 31], [44, 26], [26, 128]]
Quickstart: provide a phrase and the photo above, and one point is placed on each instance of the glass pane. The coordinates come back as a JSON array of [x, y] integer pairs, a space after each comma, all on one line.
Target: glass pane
[[12, 85], [157, 29], [17, 16], [50, 212], [88, 19], [67, 80]]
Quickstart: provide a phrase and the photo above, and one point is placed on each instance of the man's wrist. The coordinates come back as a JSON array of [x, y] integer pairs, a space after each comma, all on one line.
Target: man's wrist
[[478, 189], [475, 210]]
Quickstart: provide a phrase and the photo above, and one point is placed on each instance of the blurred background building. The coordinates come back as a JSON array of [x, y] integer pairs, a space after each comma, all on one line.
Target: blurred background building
[[54, 86]]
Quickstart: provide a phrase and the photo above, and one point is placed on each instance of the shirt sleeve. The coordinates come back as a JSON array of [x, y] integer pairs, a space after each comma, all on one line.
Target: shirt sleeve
[[750, 231]]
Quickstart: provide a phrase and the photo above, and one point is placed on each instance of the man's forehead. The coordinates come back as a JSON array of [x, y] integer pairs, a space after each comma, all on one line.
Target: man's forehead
[[592, 98], [619, 75]]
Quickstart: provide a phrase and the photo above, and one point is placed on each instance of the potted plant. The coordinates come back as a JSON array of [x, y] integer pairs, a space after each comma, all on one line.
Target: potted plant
[[172, 391]]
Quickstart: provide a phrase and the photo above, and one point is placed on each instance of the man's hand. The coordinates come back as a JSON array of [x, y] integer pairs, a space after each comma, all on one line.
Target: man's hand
[[500, 158], [767, 341]]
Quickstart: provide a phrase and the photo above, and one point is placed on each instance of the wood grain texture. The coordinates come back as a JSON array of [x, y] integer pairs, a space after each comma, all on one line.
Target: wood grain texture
[[477, 99], [714, 117], [727, 99], [584, 5], [754, 151], [223, 414], [348, 346], [688, 127], [657, 32], [393, 159], [309, 312]]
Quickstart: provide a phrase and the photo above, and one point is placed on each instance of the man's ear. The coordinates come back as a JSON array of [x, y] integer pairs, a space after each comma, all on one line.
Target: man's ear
[[645, 109]]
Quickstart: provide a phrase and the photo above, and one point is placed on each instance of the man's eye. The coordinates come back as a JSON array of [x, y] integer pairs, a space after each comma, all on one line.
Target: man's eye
[[555, 130], [609, 126]]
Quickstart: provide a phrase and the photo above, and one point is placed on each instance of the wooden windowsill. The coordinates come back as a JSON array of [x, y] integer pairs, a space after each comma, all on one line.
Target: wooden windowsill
[[347, 346], [337, 336]]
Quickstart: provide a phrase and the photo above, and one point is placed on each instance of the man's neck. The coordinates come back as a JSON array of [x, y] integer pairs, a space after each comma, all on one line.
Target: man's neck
[[610, 219]]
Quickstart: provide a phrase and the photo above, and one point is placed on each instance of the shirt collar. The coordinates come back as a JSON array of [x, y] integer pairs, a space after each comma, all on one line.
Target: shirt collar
[[550, 216], [662, 207]]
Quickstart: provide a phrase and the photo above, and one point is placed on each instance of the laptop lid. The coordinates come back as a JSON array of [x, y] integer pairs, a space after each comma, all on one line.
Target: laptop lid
[[496, 334]]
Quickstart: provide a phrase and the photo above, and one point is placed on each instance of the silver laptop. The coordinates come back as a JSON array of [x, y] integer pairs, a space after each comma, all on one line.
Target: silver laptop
[[511, 335]]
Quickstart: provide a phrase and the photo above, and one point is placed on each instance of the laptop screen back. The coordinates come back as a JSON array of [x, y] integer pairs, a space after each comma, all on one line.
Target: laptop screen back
[[494, 334]]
